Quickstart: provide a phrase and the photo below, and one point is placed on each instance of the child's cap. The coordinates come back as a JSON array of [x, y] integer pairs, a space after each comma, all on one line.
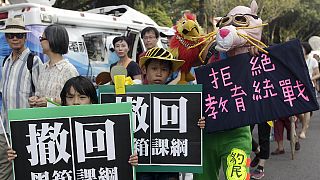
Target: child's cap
[[161, 54]]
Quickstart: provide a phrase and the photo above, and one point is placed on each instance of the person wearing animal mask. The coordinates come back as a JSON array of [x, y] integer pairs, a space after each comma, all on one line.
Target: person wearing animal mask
[[239, 27]]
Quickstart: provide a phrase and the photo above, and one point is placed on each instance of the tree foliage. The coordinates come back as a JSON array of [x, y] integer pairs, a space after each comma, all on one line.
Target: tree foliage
[[287, 19], [156, 9], [159, 16], [301, 21]]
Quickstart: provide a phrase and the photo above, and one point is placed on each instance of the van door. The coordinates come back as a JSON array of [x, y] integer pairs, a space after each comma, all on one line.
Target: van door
[[136, 46]]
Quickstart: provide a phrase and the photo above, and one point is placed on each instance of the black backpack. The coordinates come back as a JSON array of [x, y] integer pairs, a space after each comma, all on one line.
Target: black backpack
[[29, 66]]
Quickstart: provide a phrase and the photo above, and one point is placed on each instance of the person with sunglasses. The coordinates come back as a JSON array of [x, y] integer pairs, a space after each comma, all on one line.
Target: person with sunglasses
[[16, 82], [55, 72]]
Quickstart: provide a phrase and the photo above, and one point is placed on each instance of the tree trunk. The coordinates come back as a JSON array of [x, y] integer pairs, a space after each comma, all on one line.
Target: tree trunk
[[276, 35], [201, 18]]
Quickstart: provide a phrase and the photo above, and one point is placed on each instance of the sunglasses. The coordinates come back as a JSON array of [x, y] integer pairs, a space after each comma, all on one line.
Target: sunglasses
[[17, 35], [237, 20], [42, 38]]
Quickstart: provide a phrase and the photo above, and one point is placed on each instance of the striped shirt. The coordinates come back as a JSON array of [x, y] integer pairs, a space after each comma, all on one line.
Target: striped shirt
[[15, 84], [53, 78]]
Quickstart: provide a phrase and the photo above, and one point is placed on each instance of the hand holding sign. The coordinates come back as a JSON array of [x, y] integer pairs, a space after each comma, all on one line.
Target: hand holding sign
[[11, 154]]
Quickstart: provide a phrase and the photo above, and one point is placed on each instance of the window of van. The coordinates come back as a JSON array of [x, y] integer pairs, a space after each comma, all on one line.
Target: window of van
[[95, 47], [135, 45]]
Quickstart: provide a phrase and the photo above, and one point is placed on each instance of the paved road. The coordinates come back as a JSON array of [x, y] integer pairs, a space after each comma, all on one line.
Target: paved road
[[306, 165]]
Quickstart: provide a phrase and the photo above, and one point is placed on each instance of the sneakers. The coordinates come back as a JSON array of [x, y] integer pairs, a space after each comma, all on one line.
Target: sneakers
[[257, 174], [277, 152], [255, 161]]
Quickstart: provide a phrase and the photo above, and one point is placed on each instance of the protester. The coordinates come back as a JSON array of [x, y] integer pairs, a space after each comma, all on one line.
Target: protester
[[220, 148], [279, 126], [150, 37], [158, 64], [313, 69], [54, 73], [77, 91], [121, 46], [216, 148], [314, 42], [20, 71], [311, 62], [261, 150], [169, 34]]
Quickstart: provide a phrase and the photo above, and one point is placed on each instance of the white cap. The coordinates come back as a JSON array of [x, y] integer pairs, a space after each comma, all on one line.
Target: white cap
[[168, 32], [314, 42]]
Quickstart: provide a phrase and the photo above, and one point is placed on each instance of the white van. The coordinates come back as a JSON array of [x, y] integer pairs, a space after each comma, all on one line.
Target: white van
[[90, 33]]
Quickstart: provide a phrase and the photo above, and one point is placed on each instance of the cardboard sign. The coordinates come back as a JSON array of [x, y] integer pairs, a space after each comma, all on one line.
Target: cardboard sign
[[165, 118], [72, 142], [244, 90]]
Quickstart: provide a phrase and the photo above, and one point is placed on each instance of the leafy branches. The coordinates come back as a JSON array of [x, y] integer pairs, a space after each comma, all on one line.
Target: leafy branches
[[287, 18]]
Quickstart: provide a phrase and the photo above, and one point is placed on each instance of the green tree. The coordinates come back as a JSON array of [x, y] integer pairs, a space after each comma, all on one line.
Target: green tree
[[300, 21], [160, 17], [70, 4], [156, 9], [286, 18]]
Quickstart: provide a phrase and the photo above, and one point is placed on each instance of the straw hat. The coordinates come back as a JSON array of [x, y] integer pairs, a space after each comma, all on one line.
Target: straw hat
[[161, 54], [15, 25]]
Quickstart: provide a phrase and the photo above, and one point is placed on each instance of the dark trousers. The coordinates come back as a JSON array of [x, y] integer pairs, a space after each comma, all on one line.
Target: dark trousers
[[264, 140]]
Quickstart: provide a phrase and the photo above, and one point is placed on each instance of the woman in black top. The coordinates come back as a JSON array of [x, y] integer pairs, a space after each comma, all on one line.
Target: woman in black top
[[121, 46]]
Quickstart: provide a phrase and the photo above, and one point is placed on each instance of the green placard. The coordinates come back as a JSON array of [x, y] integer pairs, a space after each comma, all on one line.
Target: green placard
[[154, 88], [166, 90], [69, 111], [19, 116]]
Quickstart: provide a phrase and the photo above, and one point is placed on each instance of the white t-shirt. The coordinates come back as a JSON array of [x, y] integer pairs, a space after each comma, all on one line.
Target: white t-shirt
[[314, 53], [311, 63]]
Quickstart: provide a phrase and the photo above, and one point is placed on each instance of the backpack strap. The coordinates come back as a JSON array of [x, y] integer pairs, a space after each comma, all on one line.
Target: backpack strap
[[29, 66], [4, 60]]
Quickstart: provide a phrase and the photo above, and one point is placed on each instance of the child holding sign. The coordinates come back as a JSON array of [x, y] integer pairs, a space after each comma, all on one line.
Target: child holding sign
[[78, 91], [157, 65]]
